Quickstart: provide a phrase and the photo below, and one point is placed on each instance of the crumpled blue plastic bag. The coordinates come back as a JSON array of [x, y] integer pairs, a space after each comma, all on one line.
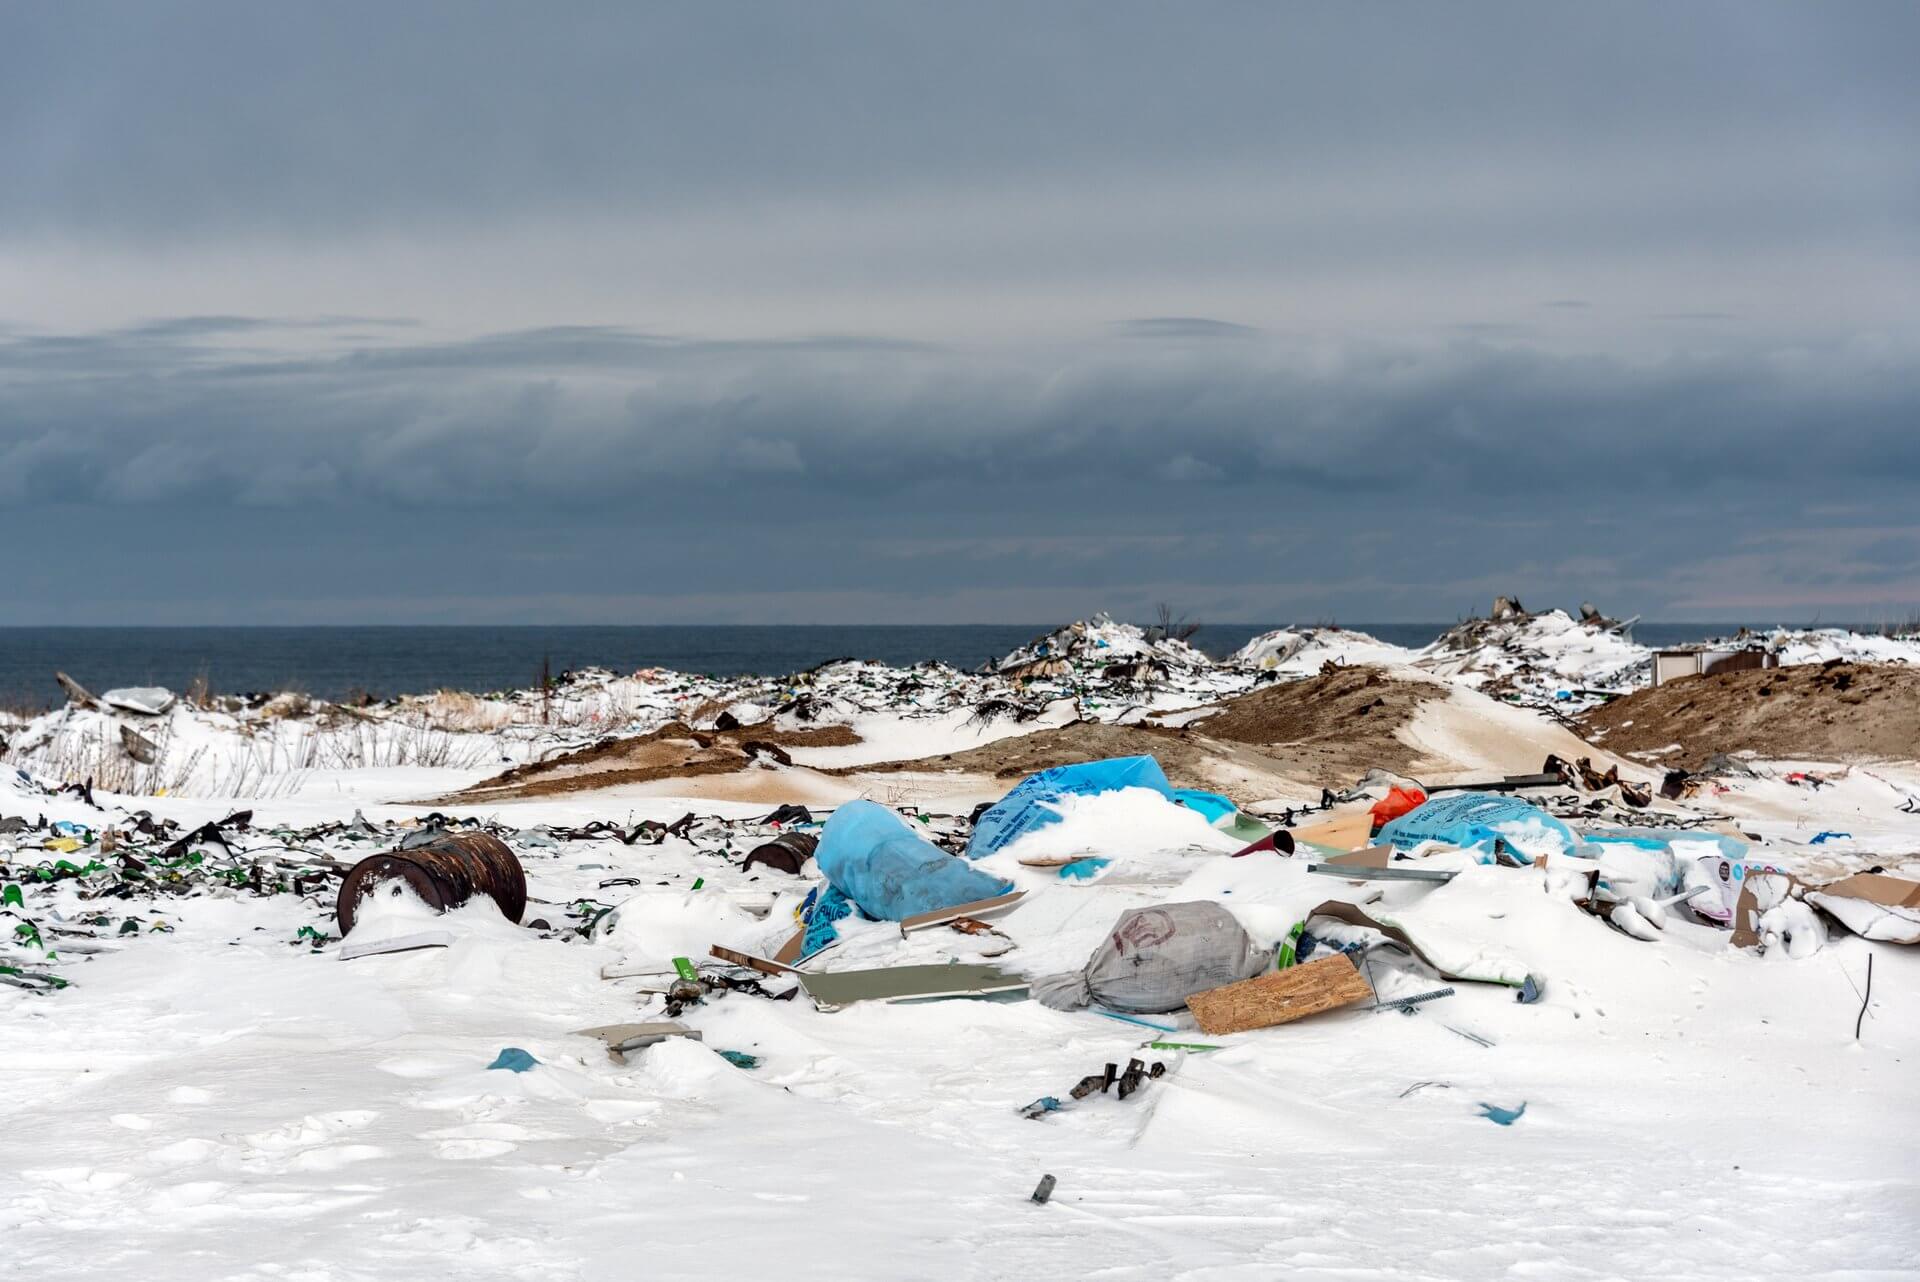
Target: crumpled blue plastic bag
[[868, 854], [1025, 808], [1478, 820]]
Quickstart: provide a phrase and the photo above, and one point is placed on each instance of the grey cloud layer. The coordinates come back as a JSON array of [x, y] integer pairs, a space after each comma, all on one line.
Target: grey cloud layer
[[1364, 476], [212, 115], [619, 310]]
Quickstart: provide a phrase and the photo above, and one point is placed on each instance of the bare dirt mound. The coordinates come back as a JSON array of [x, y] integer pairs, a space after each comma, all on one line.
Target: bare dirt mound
[[1836, 711], [1345, 709], [673, 751], [1325, 731], [1179, 755]]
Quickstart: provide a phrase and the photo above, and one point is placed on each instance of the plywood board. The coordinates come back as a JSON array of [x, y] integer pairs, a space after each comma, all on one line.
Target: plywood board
[[1280, 997]]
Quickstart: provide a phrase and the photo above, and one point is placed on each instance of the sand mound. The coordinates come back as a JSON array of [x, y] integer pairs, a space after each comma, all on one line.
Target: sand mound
[[1346, 710], [673, 751], [1837, 711], [1325, 731]]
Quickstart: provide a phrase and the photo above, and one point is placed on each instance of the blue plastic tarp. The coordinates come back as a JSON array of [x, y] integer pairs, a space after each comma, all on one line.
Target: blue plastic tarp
[[1479, 820], [1026, 807], [1211, 806], [868, 854]]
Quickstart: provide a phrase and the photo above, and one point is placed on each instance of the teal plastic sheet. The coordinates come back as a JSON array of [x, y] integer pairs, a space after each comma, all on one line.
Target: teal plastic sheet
[[889, 871]]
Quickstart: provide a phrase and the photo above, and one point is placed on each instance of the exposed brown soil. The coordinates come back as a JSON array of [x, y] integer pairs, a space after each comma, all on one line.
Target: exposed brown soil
[[673, 751], [1325, 731], [1346, 709], [1816, 712]]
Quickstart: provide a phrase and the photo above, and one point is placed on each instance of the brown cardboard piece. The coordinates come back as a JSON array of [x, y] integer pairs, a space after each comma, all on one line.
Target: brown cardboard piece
[[1873, 905], [1876, 888], [1371, 857], [1341, 832], [1281, 996], [1748, 909]]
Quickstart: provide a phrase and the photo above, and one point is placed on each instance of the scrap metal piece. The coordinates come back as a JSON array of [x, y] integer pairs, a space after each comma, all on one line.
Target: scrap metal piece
[[1361, 872], [444, 872]]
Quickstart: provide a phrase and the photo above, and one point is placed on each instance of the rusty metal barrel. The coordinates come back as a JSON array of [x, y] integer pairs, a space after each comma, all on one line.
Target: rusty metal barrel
[[444, 872], [788, 852]]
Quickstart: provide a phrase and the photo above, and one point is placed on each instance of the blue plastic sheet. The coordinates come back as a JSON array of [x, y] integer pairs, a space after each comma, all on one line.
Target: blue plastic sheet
[[1210, 805], [1025, 808], [1476, 821], [868, 854]]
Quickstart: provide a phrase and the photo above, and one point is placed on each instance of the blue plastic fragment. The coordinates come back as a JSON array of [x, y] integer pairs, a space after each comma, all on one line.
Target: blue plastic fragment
[[740, 1059], [1529, 992], [1210, 805], [1502, 1116], [1082, 869], [1042, 1106], [1821, 838], [513, 1059]]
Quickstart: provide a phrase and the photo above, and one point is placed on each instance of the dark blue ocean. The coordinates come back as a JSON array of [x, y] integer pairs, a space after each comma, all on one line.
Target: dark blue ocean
[[331, 663]]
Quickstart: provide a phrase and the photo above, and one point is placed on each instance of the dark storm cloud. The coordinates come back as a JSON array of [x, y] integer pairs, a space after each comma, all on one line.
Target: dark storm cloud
[[596, 418], [610, 310]]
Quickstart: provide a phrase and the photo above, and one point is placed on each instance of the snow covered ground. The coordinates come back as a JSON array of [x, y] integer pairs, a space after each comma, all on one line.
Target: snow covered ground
[[226, 1102], [213, 1096]]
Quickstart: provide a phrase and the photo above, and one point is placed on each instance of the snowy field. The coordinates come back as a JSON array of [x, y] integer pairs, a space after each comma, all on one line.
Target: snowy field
[[213, 1096]]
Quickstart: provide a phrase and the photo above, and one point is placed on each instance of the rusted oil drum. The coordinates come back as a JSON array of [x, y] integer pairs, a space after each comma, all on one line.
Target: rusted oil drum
[[788, 852], [445, 872]]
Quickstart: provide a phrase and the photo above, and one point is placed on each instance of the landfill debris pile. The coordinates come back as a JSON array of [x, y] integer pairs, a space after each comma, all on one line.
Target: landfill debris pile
[[150, 741], [1087, 989], [1550, 658], [1303, 652]]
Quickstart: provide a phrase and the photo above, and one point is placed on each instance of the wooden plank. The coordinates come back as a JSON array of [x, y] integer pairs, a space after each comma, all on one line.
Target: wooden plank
[[1280, 997], [751, 962], [978, 909]]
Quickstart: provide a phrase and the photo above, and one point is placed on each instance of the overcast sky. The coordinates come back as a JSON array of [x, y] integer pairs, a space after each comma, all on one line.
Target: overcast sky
[[409, 312]]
